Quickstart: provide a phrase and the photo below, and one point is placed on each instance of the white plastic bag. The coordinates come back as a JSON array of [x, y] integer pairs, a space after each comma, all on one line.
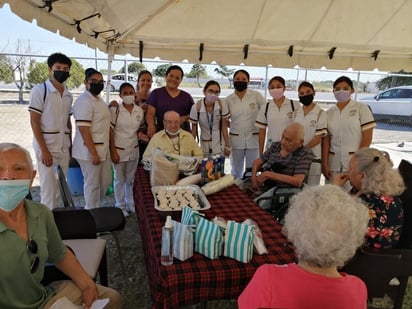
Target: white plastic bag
[[163, 171], [258, 242]]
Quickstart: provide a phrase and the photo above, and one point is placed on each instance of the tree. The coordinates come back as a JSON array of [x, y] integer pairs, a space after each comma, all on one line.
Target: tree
[[76, 75], [19, 64], [224, 71], [39, 73], [394, 80], [134, 67], [160, 70], [197, 71], [5, 70]]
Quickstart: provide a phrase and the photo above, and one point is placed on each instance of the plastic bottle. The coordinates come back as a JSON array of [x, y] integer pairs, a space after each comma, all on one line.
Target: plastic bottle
[[166, 258], [203, 171], [222, 165], [216, 166]]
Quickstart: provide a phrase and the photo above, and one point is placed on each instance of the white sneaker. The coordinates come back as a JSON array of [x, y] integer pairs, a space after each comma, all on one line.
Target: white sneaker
[[131, 209], [125, 213]]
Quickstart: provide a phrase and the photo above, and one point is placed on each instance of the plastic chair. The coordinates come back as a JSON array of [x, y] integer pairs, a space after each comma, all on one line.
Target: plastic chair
[[387, 271], [81, 239], [108, 220]]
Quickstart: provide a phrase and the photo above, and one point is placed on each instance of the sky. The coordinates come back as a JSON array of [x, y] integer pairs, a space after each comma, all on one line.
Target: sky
[[44, 42]]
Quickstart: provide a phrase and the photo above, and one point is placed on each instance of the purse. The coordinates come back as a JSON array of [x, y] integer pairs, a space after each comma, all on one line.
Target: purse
[[239, 241]]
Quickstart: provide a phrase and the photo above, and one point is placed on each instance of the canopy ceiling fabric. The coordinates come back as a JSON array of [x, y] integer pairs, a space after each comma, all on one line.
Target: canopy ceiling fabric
[[337, 34]]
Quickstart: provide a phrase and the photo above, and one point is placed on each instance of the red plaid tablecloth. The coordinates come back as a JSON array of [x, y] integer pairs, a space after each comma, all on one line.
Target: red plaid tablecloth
[[200, 279]]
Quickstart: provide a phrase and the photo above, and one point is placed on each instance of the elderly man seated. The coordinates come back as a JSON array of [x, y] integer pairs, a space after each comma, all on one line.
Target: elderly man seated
[[172, 140], [29, 239], [285, 162]]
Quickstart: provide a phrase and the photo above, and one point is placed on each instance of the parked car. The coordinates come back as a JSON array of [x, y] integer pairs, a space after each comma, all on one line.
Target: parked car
[[395, 101], [118, 79]]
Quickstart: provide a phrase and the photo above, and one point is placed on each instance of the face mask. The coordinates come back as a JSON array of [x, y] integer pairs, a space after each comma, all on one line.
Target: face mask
[[211, 98], [276, 93], [128, 99], [240, 86], [172, 133], [306, 99], [61, 76], [342, 95], [12, 192], [96, 88]]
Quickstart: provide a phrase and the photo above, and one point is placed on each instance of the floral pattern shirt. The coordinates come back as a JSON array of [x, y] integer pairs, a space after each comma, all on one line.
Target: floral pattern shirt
[[385, 220]]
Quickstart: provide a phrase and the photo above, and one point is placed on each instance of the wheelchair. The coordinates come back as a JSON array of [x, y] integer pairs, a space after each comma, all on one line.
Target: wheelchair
[[275, 201]]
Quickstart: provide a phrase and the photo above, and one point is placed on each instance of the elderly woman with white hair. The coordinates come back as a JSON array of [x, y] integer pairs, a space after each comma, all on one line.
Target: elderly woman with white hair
[[326, 226], [378, 185]]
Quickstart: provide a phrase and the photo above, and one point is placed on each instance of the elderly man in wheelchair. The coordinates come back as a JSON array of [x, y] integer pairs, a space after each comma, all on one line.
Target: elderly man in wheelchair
[[281, 170]]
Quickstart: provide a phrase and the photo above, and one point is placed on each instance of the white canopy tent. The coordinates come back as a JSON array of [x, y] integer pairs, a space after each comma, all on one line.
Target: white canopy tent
[[336, 34]]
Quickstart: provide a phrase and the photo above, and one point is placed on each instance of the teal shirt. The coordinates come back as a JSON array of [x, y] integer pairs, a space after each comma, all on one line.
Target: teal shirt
[[18, 287]]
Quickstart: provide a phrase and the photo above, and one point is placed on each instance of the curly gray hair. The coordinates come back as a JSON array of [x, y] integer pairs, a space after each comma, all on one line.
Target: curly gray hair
[[380, 177], [326, 225]]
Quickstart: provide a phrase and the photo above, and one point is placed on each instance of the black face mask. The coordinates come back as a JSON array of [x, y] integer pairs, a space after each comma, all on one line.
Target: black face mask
[[61, 76], [306, 99], [240, 86], [96, 88]]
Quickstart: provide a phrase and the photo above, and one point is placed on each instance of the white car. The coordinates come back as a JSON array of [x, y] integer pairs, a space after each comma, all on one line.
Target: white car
[[395, 101], [118, 79]]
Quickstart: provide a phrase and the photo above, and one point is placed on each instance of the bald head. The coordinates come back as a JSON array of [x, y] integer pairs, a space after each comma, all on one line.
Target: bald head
[[171, 122], [171, 115], [293, 137], [297, 129]]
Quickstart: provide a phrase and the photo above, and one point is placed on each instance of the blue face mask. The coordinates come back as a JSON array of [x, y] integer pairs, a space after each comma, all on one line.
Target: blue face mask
[[12, 192]]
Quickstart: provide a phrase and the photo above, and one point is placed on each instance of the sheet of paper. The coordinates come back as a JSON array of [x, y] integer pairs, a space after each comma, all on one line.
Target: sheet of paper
[[64, 303], [100, 303]]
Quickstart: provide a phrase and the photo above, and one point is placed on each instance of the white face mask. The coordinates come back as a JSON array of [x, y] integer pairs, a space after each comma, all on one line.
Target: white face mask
[[172, 133], [276, 93], [342, 95], [128, 99], [211, 98]]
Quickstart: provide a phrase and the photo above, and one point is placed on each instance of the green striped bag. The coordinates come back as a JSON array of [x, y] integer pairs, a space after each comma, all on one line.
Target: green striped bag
[[190, 216], [208, 239], [239, 241]]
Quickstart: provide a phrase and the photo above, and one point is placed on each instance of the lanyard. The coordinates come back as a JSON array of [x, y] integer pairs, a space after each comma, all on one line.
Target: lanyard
[[210, 122], [176, 144]]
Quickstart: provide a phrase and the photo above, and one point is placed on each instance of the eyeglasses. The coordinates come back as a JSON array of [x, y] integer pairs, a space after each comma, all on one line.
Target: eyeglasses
[[95, 81], [32, 247]]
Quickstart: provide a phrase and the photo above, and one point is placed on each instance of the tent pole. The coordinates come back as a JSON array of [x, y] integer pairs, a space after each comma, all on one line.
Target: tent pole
[[110, 56], [357, 83]]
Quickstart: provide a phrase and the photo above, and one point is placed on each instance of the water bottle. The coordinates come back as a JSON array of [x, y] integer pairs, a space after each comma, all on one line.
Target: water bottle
[[222, 165], [216, 166], [166, 258], [203, 172]]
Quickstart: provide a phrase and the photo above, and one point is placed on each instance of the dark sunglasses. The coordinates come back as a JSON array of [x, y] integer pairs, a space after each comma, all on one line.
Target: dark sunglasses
[[32, 247]]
